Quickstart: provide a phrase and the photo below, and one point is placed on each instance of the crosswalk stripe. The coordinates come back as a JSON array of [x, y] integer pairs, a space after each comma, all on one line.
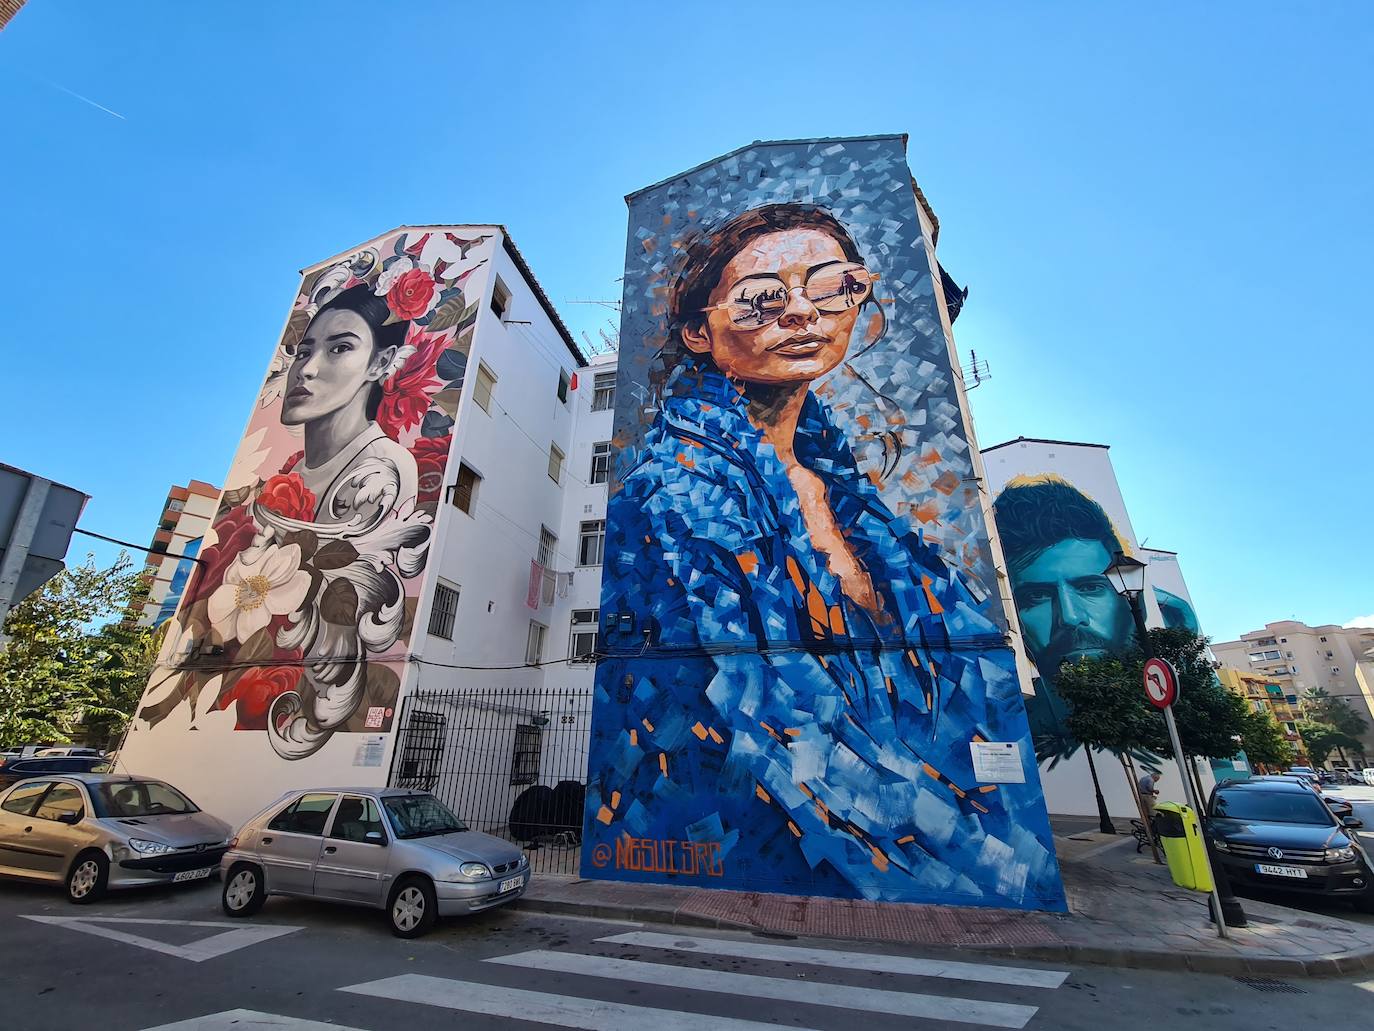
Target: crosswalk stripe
[[1020, 977], [544, 1008], [239, 1019], [908, 1004]]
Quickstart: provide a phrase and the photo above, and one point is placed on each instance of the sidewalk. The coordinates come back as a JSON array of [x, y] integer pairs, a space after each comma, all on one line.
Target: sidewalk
[[1124, 911]]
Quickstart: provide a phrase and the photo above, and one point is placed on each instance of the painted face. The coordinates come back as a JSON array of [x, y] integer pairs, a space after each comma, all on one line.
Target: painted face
[[334, 365], [787, 275], [1068, 608]]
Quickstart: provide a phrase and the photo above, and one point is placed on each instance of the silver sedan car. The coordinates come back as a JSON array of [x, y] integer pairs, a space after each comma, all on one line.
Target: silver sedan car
[[93, 831], [388, 848]]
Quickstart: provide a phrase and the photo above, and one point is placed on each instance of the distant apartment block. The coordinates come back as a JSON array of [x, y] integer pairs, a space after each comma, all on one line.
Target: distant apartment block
[[186, 515]]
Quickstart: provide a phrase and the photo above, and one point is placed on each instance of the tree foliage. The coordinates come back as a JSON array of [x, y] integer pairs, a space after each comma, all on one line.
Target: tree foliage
[[1324, 738], [1264, 742], [71, 669]]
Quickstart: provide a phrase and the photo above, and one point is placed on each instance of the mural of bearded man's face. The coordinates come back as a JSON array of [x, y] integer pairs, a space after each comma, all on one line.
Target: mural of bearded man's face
[[1068, 608]]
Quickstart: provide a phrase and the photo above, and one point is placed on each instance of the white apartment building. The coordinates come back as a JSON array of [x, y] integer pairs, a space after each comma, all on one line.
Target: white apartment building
[[186, 515]]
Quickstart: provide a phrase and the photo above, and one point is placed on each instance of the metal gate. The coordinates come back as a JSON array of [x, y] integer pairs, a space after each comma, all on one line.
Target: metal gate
[[510, 762]]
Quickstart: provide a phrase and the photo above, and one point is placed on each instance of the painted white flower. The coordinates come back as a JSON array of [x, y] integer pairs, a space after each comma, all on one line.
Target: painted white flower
[[263, 582], [391, 273]]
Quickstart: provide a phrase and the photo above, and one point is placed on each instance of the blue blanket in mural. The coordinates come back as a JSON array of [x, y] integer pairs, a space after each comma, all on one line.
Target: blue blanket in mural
[[758, 730]]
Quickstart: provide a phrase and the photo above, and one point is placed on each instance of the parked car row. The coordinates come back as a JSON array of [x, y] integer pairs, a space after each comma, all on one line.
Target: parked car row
[[392, 849], [1278, 833]]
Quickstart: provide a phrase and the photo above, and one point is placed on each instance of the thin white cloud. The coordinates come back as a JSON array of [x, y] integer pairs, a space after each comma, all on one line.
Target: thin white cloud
[[1361, 622]]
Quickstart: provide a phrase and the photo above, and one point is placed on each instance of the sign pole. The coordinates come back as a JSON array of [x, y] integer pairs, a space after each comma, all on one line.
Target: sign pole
[[1197, 810]]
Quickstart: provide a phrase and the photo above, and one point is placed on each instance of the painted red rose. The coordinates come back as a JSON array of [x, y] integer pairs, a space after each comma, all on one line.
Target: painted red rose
[[234, 531], [255, 692], [406, 395], [431, 454], [410, 296], [287, 495]]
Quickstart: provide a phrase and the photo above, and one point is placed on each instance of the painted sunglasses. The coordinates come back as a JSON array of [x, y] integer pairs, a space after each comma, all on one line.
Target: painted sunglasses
[[758, 301]]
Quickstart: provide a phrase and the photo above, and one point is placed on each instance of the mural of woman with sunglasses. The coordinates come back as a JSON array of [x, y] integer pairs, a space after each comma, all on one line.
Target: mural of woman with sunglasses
[[806, 647]]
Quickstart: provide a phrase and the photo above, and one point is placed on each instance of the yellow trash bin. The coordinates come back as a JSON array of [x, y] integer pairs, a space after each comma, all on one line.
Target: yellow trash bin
[[1181, 836]]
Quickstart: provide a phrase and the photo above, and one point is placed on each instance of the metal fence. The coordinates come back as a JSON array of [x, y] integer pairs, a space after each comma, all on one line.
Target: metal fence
[[510, 762]]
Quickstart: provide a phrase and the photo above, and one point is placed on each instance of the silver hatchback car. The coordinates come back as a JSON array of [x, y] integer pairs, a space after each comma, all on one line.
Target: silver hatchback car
[[93, 831], [388, 848]]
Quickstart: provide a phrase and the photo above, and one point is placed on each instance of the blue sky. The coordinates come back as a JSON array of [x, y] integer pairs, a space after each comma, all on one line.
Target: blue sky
[[1164, 218]]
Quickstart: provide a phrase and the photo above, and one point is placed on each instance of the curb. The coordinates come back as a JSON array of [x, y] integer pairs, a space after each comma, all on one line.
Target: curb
[[1333, 964]]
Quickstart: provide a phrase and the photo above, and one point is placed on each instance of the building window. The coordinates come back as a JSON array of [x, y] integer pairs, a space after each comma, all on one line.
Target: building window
[[177, 506], [555, 462], [482, 389], [444, 610], [1282, 640], [1288, 655], [1329, 655], [582, 647], [1292, 728], [1322, 639], [464, 494], [1335, 669], [548, 547], [601, 462], [421, 748], [524, 763], [534, 644], [592, 543], [563, 383], [500, 299], [603, 393]]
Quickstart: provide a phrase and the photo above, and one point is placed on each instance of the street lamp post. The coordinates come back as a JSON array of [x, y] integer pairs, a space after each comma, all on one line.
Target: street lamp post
[[1127, 576]]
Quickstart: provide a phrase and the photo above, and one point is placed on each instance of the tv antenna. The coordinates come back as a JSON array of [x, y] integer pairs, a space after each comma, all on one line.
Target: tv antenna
[[976, 372]]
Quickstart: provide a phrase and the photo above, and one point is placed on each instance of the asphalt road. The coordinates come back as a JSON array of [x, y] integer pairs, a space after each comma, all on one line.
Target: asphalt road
[[1362, 798], [305, 965]]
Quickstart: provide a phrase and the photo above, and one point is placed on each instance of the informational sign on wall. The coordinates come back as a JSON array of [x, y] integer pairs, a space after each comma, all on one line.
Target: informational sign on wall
[[997, 762]]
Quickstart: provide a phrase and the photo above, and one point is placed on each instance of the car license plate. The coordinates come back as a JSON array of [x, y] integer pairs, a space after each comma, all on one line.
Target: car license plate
[[1281, 871], [510, 884], [194, 875]]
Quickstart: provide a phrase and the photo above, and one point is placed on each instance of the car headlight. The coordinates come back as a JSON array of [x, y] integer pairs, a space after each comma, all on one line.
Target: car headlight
[[150, 848], [468, 872], [1221, 845], [1340, 855]]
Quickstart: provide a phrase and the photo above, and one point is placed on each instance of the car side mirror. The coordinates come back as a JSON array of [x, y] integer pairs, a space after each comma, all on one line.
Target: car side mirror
[[69, 818], [375, 838], [1351, 822]]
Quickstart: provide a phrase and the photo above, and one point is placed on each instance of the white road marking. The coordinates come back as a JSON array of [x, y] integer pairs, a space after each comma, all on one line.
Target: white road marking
[[1022, 977], [875, 1000], [237, 1020], [544, 1008], [239, 936]]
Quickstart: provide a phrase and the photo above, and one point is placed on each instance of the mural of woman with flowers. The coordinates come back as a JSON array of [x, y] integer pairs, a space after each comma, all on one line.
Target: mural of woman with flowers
[[303, 599]]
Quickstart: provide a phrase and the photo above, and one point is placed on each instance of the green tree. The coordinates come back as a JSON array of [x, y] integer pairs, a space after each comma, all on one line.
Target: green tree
[[1264, 742], [1107, 707], [1209, 717], [1324, 738], [68, 663]]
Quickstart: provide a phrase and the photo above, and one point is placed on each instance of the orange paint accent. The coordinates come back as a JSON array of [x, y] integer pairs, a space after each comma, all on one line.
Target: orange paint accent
[[758, 790], [890, 689], [794, 571], [836, 620], [979, 737], [772, 733], [863, 420], [615, 799], [928, 512], [663, 763], [907, 840], [634, 736], [931, 771], [821, 660], [958, 791], [604, 815], [686, 461], [647, 726], [876, 478], [648, 539], [807, 791], [931, 457], [986, 788], [815, 605], [671, 581], [699, 731], [822, 811], [935, 607], [748, 562], [714, 736], [980, 808], [791, 732], [796, 831], [880, 861]]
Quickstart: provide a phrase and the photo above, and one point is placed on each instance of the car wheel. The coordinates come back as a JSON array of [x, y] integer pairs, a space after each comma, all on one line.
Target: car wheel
[[88, 877], [243, 893], [413, 907]]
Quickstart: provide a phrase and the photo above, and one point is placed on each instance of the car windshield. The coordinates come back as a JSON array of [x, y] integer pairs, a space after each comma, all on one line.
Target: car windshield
[[123, 799], [1271, 806], [420, 816]]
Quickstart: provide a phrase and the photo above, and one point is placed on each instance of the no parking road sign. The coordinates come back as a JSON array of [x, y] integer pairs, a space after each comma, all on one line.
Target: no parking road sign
[[1161, 683]]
